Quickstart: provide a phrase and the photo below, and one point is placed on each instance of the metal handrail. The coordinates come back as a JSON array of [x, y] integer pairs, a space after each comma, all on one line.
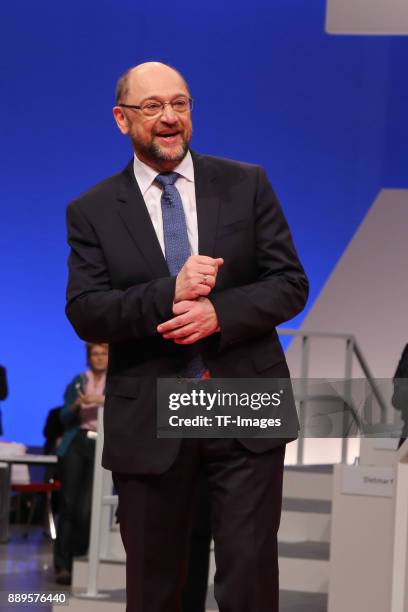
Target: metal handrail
[[371, 381], [286, 331], [352, 348]]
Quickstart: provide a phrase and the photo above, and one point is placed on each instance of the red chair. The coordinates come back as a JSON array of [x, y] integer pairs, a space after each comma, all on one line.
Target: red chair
[[36, 489]]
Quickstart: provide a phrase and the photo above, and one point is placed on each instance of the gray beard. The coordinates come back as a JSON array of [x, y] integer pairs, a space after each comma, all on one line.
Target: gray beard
[[156, 153]]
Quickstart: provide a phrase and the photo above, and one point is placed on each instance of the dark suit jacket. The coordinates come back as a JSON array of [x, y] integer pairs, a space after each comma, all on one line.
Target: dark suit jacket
[[119, 290], [3, 392]]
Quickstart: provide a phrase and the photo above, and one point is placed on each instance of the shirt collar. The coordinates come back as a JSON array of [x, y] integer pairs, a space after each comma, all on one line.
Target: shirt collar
[[145, 175]]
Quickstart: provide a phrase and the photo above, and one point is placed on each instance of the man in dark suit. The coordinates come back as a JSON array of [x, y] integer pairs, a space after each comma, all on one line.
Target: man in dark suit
[[166, 312]]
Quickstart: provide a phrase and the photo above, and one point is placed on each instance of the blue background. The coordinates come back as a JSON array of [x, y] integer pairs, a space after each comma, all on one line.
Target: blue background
[[326, 116]]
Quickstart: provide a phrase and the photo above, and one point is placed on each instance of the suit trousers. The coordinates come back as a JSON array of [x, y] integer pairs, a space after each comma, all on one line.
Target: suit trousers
[[195, 589], [155, 515]]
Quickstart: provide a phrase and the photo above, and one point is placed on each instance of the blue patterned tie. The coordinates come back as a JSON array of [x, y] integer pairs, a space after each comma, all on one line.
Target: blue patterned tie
[[177, 248]]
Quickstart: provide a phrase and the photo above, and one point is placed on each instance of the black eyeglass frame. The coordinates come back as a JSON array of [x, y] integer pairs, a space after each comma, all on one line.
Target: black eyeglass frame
[[163, 104]]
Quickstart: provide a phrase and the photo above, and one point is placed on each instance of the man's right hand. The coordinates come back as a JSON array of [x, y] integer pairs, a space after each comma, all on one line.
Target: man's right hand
[[197, 277]]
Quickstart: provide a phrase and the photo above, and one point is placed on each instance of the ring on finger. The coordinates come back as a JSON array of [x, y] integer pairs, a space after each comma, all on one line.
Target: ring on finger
[[205, 278]]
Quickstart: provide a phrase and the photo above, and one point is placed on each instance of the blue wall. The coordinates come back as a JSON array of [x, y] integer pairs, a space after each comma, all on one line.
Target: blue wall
[[325, 115]]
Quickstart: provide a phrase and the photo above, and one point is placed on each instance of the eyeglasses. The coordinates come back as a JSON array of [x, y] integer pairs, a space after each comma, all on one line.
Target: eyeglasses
[[155, 107]]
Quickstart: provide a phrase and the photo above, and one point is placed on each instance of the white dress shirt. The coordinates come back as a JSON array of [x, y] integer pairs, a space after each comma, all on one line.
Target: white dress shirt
[[151, 192]]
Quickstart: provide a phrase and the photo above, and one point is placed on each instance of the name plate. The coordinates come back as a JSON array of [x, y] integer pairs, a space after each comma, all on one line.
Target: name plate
[[368, 480]]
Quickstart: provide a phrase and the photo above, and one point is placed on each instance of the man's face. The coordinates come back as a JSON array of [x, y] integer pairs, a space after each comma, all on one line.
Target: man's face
[[160, 141]]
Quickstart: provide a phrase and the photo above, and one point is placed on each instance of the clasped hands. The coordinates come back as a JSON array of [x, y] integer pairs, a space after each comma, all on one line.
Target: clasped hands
[[195, 317]]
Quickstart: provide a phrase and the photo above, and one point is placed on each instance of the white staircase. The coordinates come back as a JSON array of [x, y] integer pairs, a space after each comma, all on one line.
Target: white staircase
[[304, 535]]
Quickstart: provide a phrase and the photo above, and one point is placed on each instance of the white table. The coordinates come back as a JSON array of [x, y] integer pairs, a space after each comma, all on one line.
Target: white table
[[8, 461]]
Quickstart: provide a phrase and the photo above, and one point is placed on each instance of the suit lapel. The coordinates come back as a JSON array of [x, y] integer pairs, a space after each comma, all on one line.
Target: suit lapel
[[208, 203], [134, 213]]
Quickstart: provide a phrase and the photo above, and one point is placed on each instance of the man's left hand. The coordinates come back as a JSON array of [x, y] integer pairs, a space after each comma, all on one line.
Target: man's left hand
[[194, 320]]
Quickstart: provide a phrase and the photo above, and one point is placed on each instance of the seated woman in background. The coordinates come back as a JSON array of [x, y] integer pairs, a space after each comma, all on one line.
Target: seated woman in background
[[83, 397]]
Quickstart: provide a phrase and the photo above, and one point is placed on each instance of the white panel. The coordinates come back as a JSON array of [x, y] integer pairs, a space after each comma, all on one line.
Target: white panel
[[360, 551], [367, 17], [400, 556]]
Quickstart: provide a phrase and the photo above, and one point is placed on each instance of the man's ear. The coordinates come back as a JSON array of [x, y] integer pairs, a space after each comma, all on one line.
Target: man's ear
[[121, 119]]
